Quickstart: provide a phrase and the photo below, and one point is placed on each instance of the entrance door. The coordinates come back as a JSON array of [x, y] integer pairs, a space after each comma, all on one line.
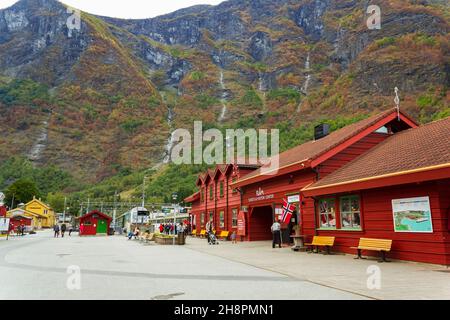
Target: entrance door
[[261, 219], [102, 226]]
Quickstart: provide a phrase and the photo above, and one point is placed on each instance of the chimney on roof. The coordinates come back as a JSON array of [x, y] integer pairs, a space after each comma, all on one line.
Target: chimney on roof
[[322, 130]]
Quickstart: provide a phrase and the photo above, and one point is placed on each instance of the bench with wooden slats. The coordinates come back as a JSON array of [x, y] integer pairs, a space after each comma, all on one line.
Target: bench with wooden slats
[[320, 241], [380, 245], [202, 233], [224, 235], [194, 233]]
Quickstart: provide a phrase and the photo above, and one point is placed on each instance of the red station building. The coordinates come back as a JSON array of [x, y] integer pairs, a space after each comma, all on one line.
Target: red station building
[[374, 179], [94, 223]]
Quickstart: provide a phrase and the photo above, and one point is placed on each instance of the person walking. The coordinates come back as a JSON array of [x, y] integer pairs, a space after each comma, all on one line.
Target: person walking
[[56, 229], [161, 228], [276, 234], [70, 231], [63, 229], [209, 230]]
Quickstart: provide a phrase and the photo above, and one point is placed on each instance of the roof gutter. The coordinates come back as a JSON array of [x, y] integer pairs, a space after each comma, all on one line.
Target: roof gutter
[[435, 172], [299, 165]]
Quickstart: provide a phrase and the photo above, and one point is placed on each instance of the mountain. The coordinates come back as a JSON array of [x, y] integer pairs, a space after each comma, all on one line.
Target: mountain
[[103, 99]]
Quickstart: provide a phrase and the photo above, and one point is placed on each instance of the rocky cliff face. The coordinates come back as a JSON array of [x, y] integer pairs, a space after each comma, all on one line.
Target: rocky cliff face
[[116, 87]]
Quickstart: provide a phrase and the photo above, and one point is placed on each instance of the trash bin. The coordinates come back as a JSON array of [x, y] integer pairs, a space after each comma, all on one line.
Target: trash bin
[[181, 240]]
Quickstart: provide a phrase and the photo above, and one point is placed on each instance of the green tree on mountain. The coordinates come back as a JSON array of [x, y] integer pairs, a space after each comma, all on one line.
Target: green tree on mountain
[[22, 191]]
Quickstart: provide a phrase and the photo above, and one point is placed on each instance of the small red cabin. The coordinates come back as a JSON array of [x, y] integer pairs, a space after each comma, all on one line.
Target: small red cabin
[[94, 223], [20, 220]]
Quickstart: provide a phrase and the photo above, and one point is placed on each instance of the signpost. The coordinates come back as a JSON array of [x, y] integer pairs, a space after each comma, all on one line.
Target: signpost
[[4, 226], [241, 229]]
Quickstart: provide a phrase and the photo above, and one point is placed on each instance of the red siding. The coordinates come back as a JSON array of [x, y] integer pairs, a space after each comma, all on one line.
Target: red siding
[[350, 153], [377, 220]]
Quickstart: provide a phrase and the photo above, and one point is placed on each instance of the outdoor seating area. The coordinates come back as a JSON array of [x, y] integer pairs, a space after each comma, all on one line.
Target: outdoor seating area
[[381, 245], [365, 244], [317, 242]]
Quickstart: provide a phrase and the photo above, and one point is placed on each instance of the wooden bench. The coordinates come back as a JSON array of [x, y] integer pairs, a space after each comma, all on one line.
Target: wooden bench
[[202, 233], [380, 245], [224, 235], [319, 241], [194, 233]]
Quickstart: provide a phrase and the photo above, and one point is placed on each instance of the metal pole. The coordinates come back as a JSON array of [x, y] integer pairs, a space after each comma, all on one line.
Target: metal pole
[[143, 192], [174, 223], [64, 211], [114, 211]]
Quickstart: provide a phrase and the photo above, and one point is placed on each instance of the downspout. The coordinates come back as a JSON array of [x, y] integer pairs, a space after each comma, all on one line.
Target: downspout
[[317, 172], [227, 225]]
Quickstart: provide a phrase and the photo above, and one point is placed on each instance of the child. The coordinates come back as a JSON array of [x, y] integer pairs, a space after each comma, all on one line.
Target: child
[[233, 237]]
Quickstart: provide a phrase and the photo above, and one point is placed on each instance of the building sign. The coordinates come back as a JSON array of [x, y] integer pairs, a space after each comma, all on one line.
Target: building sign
[[241, 231], [278, 213], [260, 196], [4, 224], [294, 198], [412, 215]]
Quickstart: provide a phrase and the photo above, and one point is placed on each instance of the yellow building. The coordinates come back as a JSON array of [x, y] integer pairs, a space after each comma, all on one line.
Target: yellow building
[[43, 210], [36, 222]]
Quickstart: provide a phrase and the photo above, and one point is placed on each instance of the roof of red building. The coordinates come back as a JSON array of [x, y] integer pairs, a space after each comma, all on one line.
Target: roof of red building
[[314, 149], [426, 147], [95, 212], [192, 198]]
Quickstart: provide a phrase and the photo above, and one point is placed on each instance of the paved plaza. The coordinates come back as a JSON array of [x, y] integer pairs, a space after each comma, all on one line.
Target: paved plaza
[[41, 267]]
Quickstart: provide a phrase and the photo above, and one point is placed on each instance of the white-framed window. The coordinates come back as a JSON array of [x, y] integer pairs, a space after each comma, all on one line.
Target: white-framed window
[[222, 219], [202, 219], [234, 218], [350, 212], [327, 213]]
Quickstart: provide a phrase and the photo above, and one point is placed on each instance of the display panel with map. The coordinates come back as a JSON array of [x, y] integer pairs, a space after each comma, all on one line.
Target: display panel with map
[[412, 215]]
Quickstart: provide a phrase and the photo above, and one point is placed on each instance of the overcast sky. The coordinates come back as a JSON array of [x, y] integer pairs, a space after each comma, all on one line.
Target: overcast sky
[[127, 8]]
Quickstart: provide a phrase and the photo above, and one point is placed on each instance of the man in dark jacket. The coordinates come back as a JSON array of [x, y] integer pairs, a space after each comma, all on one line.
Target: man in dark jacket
[[63, 229], [56, 229]]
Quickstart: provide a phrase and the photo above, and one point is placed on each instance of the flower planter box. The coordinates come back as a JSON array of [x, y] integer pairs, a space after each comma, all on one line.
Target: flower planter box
[[169, 241]]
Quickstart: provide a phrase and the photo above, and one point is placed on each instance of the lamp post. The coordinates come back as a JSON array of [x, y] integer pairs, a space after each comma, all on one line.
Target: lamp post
[[174, 197]]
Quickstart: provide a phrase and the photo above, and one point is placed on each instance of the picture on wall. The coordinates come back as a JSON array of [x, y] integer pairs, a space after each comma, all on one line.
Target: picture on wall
[[412, 215]]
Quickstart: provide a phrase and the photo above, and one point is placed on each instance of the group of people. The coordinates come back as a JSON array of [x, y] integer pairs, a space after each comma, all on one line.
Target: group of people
[[61, 230], [171, 228]]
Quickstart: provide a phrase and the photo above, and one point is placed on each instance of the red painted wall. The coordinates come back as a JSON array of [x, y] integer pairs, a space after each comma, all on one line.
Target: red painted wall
[[18, 221], [350, 153], [377, 222]]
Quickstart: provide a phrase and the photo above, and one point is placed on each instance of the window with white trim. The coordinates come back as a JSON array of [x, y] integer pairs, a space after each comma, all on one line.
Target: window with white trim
[[350, 212], [327, 213]]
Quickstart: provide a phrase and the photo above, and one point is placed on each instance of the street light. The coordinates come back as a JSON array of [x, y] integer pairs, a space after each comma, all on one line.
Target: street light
[[174, 197]]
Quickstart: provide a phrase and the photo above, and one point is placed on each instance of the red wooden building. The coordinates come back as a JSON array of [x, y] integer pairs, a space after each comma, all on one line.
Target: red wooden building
[[398, 190], [216, 200], [21, 220], [303, 165], [304, 169], [94, 223]]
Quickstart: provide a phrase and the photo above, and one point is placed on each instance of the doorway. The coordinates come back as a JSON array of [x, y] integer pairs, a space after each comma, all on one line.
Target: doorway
[[261, 219], [101, 227]]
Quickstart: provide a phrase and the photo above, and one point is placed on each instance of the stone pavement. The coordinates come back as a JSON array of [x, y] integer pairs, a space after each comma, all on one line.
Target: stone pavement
[[36, 267], [399, 279]]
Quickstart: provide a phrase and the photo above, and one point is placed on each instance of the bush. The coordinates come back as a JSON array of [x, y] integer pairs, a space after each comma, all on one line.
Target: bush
[[289, 94], [131, 125], [251, 98], [26, 92]]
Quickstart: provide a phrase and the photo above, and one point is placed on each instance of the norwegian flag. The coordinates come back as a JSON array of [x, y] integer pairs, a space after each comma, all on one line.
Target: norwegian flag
[[288, 210]]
